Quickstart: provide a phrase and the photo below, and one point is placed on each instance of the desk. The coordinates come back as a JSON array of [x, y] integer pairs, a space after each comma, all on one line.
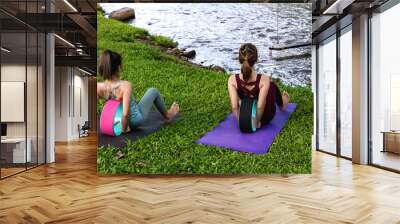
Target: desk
[[391, 141], [13, 150]]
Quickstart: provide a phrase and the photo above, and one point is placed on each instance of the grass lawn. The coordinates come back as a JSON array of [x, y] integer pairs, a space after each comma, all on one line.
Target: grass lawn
[[203, 98]]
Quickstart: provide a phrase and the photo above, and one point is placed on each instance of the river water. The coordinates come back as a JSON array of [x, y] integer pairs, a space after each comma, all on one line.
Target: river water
[[216, 31]]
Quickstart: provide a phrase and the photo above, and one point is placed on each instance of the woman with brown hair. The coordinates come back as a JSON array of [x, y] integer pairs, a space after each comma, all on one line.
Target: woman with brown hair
[[133, 115], [249, 84]]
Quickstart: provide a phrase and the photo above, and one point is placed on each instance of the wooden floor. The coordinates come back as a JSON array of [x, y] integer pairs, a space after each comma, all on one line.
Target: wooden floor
[[387, 159], [5, 172], [70, 191]]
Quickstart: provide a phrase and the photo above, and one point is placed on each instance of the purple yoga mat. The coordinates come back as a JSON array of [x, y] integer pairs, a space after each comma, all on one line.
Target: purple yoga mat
[[228, 135]]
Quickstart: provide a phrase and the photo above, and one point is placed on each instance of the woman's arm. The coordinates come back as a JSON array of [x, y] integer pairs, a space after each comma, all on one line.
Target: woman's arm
[[100, 87], [233, 95], [126, 100], [262, 97]]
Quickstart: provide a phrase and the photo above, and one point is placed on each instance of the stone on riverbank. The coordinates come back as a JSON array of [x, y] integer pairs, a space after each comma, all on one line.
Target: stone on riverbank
[[217, 68], [174, 51], [123, 14], [189, 54]]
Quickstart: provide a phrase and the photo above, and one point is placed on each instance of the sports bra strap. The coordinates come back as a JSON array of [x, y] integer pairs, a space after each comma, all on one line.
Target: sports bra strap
[[111, 88]]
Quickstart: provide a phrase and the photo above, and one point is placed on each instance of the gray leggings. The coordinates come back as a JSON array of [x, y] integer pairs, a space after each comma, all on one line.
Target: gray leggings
[[152, 96]]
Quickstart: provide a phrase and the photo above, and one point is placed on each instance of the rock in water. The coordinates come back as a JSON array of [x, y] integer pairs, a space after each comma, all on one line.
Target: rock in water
[[99, 8], [123, 14], [217, 68], [189, 54]]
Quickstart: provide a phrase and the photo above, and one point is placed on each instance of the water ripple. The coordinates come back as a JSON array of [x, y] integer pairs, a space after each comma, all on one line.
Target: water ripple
[[216, 30]]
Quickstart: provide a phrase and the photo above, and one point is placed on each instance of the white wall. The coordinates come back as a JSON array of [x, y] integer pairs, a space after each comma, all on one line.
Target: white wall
[[61, 103], [12, 73], [70, 84], [16, 73], [34, 125], [81, 94]]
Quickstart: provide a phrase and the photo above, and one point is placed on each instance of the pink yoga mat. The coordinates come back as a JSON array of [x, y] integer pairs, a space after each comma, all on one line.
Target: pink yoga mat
[[227, 134]]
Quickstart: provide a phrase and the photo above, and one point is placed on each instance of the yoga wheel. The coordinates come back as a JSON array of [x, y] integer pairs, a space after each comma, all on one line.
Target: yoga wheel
[[247, 115], [111, 118]]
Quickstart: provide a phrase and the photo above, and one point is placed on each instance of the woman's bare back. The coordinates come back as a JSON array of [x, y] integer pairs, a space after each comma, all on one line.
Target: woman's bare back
[[113, 89]]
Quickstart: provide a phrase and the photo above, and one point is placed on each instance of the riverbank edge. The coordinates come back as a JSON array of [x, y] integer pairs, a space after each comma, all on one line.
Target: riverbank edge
[[167, 46]]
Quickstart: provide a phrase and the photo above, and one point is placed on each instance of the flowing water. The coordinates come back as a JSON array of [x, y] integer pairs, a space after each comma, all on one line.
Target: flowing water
[[216, 31]]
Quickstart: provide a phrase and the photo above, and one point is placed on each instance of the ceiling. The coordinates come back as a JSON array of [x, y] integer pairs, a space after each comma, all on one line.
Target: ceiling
[[330, 15], [74, 22]]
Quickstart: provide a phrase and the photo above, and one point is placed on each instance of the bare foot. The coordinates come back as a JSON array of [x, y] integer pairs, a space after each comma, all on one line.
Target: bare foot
[[171, 113], [285, 100], [254, 121], [259, 124]]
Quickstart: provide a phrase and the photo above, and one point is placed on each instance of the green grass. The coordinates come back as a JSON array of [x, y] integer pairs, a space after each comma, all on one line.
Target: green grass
[[203, 97], [163, 41], [114, 31]]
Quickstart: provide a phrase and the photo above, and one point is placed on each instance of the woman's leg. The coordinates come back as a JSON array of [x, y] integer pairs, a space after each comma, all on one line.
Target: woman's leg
[[152, 96], [274, 98], [278, 96], [270, 104], [282, 99]]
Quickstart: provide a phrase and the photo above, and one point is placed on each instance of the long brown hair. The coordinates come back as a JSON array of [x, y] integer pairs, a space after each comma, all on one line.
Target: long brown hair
[[110, 63], [248, 56]]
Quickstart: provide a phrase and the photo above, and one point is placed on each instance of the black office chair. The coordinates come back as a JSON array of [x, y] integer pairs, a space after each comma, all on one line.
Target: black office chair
[[84, 130]]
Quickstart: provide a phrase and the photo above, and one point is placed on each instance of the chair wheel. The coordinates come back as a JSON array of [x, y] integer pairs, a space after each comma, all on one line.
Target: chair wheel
[[247, 115]]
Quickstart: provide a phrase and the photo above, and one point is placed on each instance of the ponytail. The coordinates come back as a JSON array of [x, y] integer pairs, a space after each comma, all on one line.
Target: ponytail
[[110, 63], [248, 56], [246, 70]]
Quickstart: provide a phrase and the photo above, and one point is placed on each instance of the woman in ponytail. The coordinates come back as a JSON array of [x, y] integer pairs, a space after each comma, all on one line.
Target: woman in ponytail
[[133, 115], [257, 86]]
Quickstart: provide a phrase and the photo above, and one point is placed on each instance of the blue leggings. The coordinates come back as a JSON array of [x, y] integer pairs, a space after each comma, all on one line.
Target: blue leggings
[[141, 111]]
